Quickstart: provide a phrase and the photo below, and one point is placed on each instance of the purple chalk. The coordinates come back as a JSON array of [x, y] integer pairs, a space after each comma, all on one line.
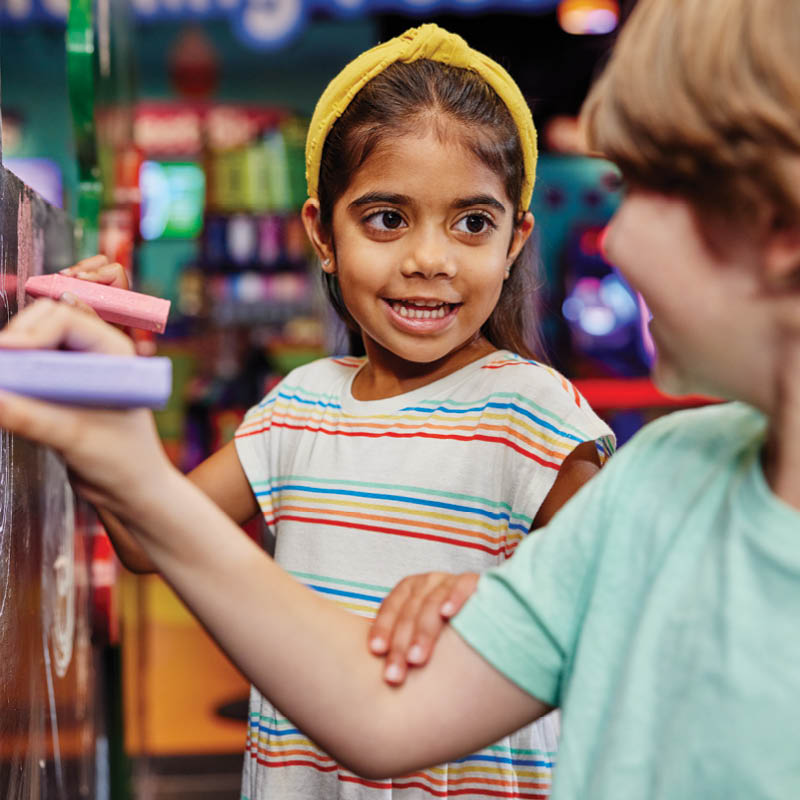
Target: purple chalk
[[87, 379]]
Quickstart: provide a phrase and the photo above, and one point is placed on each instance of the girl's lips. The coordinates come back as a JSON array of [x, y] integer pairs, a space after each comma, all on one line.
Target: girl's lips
[[421, 319]]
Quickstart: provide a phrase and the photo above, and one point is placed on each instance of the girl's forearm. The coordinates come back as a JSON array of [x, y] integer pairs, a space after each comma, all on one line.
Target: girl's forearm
[[310, 657]]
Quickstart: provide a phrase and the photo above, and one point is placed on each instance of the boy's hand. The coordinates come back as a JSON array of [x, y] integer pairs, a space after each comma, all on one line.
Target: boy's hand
[[99, 269], [115, 456], [413, 615]]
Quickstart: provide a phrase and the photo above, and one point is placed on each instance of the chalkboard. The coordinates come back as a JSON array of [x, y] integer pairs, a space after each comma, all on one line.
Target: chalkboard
[[51, 730]]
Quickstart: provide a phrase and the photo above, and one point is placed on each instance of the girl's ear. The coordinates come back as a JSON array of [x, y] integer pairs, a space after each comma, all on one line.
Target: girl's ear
[[310, 215], [522, 232]]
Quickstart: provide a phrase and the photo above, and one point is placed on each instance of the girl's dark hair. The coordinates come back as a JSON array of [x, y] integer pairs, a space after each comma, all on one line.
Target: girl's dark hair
[[392, 104]]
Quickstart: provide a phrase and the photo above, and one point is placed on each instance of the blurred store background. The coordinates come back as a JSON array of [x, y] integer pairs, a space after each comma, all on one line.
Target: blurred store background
[[173, 132]]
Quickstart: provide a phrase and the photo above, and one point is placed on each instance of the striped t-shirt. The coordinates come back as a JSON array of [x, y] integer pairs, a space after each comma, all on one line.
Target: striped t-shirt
[[360, 494]]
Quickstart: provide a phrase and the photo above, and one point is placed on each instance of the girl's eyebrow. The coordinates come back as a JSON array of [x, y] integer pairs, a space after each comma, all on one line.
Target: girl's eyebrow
[[480, 200], [401, 199], [380, 197]]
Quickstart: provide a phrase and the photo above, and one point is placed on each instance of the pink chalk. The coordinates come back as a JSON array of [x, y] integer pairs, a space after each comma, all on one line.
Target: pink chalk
[[120, 306]]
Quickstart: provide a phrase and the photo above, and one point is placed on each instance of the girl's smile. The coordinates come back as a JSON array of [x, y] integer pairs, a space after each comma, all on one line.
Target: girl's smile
[[420, 315]]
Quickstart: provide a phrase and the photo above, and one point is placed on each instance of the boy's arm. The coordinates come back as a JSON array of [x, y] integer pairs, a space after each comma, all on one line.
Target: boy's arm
[[308, 655], [220, 476]]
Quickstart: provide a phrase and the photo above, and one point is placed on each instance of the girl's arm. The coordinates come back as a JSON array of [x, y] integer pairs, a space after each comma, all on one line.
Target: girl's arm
[[578, 467], [416, 612], [300, 650]]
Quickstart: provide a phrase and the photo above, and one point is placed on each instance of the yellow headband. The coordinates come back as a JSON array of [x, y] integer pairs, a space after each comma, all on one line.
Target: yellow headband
[[426, 42]]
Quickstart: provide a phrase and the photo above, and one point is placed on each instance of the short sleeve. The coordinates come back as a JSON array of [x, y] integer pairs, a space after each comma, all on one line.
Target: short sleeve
[[256, 449], [526, 614]]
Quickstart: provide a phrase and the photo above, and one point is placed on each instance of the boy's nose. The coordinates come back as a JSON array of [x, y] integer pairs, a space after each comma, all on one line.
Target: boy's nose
[[430, 258]]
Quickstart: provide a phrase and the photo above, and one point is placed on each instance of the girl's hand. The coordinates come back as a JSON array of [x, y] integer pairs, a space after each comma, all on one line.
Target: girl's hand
[[115, 455], [413, 615], [99, 269]]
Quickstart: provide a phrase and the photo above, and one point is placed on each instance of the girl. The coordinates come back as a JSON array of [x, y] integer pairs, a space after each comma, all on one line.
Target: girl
[[447, 442]]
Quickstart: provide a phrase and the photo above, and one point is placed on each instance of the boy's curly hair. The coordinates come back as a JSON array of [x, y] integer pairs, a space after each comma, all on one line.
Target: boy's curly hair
[[705, 104]]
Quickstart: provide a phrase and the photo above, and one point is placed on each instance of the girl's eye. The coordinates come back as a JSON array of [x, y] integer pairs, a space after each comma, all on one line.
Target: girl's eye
[[385, 220], [475, 224]]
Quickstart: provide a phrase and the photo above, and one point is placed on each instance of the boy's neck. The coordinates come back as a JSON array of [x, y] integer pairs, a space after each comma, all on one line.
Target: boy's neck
[[386, 375], [782, 456]]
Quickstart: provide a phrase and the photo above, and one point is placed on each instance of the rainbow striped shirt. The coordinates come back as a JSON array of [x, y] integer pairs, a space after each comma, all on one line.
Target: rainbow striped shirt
[[360, 494]]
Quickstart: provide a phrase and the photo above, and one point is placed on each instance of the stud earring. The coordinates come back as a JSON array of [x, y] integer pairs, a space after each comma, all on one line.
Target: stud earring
[[326, 262]]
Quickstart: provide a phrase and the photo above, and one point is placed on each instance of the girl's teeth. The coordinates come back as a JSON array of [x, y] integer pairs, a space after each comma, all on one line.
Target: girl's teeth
[[413, 311]]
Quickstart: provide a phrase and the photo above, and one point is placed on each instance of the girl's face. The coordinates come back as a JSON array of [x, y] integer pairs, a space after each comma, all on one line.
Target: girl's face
[[422, 241]]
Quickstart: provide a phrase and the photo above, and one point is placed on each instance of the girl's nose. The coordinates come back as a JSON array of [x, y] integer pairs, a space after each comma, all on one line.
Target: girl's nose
[[430, 258]]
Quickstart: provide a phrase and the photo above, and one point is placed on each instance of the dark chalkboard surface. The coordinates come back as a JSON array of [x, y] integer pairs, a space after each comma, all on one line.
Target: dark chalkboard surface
[[51, 730]]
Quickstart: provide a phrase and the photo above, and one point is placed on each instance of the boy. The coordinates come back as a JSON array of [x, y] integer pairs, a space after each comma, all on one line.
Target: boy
[[659, 609]]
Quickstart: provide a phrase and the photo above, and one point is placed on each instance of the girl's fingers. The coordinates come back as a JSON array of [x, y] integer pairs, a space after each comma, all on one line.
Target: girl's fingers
[[91, 263], [396, 667], [461, 590], [412, 617], [47, 325], [428, 624], [380, 632], [99, 270]]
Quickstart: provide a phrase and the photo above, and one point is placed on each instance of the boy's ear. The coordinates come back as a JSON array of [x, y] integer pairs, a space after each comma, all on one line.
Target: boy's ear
[[522, 232], [782, 257], [310, 215]]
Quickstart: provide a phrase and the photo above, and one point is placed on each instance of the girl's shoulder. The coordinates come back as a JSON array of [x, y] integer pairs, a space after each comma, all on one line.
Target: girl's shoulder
[[539, 389], [513, 372]]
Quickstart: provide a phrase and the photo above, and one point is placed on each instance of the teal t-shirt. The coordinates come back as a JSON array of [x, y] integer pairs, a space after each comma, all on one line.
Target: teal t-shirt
[[661, 610]]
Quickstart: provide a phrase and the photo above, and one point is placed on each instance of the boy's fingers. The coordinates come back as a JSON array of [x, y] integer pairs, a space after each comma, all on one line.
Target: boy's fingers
[[26, 320], [461, 590], [380, 632], [47, 324], [46, 423], [75, 301]]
